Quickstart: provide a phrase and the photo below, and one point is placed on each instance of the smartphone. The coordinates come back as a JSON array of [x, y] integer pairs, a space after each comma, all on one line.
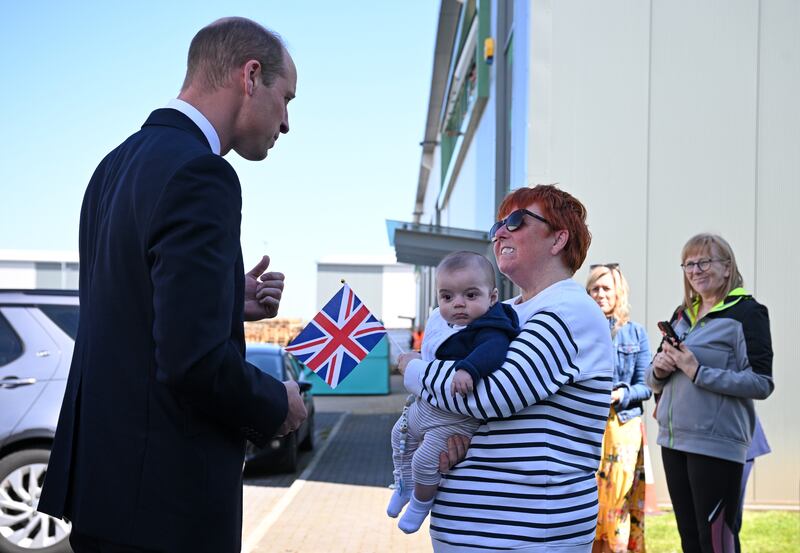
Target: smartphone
[[669, 332]]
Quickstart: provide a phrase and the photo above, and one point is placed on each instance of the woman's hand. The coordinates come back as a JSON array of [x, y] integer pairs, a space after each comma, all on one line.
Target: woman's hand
[[457, 446], [405, 358], [683, 358], [663, 366], [617, 395]]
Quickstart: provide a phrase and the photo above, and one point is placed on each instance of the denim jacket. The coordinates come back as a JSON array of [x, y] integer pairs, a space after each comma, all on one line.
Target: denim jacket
[[632, 357]]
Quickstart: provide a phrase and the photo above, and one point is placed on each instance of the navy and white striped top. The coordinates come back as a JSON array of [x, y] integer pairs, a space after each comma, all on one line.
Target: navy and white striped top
[[528, 480]]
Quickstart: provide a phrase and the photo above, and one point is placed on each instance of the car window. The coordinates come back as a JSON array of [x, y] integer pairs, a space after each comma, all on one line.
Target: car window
[[65, 317], [291, 370], [10, 344], [269, 363]]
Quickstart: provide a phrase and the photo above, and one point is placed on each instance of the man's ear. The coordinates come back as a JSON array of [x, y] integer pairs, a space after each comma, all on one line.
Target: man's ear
[[251, 73], [560, 242], [494, 296]]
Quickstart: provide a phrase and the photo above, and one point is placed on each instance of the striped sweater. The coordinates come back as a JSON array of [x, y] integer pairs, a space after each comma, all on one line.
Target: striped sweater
[[527, 482]]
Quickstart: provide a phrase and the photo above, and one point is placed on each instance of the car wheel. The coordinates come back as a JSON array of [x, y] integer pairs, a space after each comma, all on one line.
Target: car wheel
[[308, 442], [289, 461], [22, 528]]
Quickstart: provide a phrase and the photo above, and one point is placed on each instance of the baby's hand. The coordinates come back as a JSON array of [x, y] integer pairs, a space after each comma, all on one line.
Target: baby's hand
[[405, 358], [462, 383]]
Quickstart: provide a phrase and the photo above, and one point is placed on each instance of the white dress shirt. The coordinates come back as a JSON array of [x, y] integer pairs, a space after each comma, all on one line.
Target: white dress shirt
[[199, 119]]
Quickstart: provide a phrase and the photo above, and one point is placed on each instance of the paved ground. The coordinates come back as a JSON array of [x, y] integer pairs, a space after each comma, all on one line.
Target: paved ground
[[338, 502]]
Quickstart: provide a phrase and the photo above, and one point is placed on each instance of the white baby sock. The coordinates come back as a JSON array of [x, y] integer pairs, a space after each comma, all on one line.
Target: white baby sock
[[397, 502], [415, 515]]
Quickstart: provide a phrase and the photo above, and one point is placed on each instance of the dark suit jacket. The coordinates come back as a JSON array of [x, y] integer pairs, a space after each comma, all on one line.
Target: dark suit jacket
[[151, 436]]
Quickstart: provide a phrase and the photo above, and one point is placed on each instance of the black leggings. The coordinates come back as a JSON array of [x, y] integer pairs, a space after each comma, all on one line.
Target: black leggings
[[705, 496]]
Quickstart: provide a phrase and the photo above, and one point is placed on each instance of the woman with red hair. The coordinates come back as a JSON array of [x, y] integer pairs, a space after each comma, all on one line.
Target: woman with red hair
[[527, 482]]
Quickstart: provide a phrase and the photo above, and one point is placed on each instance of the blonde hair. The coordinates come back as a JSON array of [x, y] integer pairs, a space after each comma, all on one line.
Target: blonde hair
[[714, 246], [622, 309]]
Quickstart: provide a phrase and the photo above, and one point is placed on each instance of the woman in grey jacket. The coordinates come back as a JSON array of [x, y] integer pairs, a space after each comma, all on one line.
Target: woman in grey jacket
[[707, 383]]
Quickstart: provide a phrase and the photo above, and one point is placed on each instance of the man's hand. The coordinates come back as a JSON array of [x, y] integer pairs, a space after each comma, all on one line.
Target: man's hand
[[404, 358], [462, 383], [297, 409], [262, 292], [457, 446]]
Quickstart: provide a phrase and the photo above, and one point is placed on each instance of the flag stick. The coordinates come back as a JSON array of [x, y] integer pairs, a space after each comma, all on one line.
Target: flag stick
[[394, 343], [387, 332]]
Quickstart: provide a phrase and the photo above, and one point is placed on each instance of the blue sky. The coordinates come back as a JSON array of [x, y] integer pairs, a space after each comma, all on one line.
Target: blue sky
[[79, 77]]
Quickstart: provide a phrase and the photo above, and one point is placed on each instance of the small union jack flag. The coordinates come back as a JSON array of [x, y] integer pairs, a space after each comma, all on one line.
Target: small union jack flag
[[338, 338]]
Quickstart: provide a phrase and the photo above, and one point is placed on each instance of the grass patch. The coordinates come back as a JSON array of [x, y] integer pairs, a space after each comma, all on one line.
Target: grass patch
[[762, 532]]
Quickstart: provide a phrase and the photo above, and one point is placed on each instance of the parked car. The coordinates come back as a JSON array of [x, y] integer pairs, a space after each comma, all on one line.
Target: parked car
[[281, 453], [37, 335]]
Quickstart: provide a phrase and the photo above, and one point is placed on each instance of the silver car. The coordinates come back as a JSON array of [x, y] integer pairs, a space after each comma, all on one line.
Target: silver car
[[37, 336]]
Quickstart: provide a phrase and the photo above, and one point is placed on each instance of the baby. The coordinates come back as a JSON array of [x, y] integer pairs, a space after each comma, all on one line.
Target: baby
[[480, 330]]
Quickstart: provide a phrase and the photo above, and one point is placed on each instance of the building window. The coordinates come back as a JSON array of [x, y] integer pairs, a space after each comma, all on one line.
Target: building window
[[461, 87], [466, 93], [48, 275]]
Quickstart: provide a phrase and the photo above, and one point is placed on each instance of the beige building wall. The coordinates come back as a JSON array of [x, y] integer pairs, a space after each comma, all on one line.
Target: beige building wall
[[777, 229], [399, 295], [38, 269], [670, 118], [386, 287]]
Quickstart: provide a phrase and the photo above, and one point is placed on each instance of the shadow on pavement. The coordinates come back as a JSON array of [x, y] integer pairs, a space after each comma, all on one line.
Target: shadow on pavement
[[360, 453]]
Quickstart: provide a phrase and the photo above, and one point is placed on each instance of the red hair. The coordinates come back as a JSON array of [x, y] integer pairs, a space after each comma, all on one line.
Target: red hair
[[564, 212]]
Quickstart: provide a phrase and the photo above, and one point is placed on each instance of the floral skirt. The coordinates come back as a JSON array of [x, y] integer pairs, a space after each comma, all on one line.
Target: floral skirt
[[620, 486]]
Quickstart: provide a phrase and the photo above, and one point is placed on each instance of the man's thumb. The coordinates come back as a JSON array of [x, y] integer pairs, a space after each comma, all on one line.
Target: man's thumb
[[259, 269]]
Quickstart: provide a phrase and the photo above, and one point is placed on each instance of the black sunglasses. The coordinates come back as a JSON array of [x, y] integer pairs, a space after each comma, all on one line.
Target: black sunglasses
[[514, 221], [611, 266]]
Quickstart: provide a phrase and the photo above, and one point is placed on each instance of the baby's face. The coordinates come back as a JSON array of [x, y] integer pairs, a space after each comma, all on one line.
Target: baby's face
[[463, 296]]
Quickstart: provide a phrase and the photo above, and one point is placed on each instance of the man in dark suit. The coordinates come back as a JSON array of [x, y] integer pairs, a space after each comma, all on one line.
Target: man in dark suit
[[150, 442]]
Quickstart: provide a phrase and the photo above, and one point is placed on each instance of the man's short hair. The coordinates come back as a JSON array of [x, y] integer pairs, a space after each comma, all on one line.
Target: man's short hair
[[461, 260], [227, 44]]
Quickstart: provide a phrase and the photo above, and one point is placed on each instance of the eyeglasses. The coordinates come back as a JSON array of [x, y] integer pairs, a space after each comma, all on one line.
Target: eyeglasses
[[701, 265], [514, 221], [611, 266]]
